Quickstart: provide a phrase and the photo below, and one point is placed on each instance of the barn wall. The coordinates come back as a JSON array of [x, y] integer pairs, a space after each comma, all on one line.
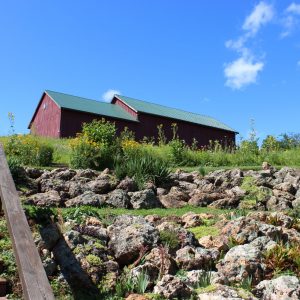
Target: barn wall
[[72, 122], [186, 130], [125, 107], [46, 121]]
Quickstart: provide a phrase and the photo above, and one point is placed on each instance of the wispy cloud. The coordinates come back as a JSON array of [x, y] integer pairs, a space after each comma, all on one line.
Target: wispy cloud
[[245, 69], [109, 94], [261, 15], [290, 19], [294, 8]]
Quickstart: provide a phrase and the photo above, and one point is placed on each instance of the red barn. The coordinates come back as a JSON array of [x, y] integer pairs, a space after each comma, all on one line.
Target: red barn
[[61, 115]]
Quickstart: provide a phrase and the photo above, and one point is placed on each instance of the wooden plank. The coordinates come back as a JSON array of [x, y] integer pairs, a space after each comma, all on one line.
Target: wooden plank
[[34, 280]]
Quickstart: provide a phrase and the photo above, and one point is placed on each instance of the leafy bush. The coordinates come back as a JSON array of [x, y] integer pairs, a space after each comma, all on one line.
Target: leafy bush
[[101, 132], [95, 146], [29, 150]]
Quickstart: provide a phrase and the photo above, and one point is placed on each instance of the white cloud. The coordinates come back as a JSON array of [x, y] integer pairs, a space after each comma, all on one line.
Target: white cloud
[[290, 20], [242, 72], [261, 15], [109, 94], [294, 8]]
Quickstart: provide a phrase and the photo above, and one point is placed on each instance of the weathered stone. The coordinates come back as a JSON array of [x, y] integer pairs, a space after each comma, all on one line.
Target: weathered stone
[[33, 173], [226, 203], [87, 198], [191, 219], [87, 173], [73, 238], [245, 230], [99, 186], [284, 287], [118, 198], [176, 198], [128, 185], [183, 176], [47, 199], [189, 258], [136, 235], [280, 204], [241, 262], [203, 199], [222, 292], [144, 199], [162, 260], [172, 287], [217, 242]]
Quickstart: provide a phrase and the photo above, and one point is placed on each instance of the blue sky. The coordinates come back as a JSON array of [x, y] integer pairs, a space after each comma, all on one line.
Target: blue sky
[[233, 60]]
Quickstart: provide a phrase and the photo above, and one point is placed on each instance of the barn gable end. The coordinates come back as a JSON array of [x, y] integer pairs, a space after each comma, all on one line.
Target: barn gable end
[[46, 119]]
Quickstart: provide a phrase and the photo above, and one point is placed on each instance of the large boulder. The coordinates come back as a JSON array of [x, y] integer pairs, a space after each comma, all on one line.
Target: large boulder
[[118, 198], [87, 198], [189, 258], [129, 236], [171, 287], [144, 199], [222, 292], [99, 186], [127, 184], [47, 199], [284, 287], [241, 262], [162, 260], [246, 229], [176, 198]]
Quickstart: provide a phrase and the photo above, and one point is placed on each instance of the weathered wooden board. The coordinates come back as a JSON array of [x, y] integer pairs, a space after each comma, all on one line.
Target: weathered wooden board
[[34, 281]]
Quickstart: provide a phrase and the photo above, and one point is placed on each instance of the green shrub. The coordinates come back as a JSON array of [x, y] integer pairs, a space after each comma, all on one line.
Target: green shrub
[[143, 167], [15, 168], [29, 150], [169, 238], [100, 131]]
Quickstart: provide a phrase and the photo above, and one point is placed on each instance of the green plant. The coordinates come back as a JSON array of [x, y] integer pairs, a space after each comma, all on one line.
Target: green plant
[[100, 131], [169, 238], [246, 283], [143, 167], [162, 140], [125, 284], [94, 260], [204, 279], [141, 282]]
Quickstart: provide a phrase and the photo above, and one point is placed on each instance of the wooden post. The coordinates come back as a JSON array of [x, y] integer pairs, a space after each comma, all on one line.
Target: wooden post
[[34, 280]]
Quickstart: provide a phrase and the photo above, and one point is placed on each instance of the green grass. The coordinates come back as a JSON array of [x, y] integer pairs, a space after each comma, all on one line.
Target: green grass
[[201, 231], [210, 160]]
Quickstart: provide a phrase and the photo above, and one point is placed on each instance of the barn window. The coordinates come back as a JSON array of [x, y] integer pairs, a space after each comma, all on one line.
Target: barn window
[[45, 106]]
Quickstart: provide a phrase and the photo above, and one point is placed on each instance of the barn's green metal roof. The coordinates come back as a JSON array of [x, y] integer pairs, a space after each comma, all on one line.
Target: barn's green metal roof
[[160, 110], [90, 106]]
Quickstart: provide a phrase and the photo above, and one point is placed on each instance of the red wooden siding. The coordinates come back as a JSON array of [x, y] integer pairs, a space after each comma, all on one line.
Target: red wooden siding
[[186, 130], [71, 122], [46, 121], [125, 106]]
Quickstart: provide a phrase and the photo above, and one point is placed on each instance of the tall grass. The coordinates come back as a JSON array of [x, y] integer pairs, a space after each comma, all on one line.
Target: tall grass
[[209, 159]]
